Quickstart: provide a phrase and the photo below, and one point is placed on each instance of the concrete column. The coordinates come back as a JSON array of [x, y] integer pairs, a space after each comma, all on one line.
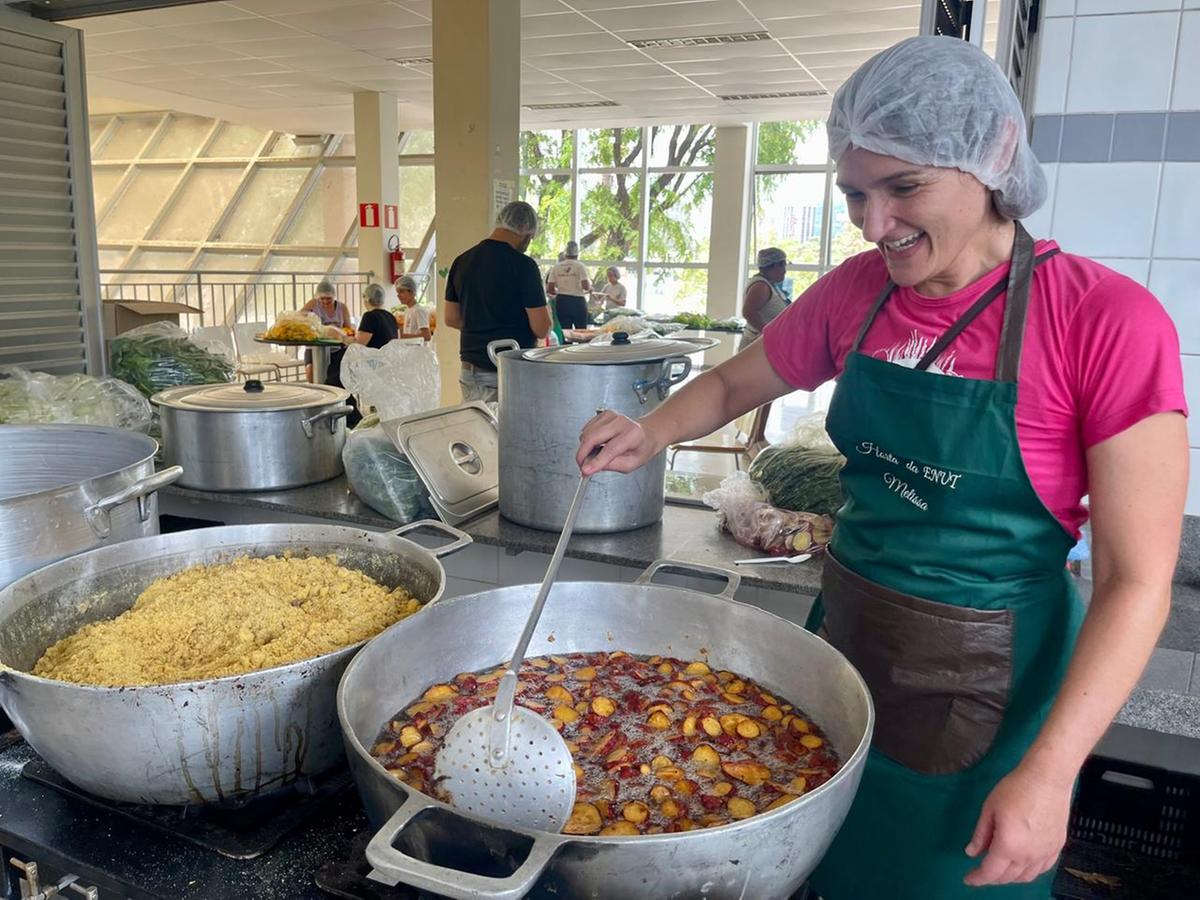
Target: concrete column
[[733, 162], [476, 125], [377, 176]]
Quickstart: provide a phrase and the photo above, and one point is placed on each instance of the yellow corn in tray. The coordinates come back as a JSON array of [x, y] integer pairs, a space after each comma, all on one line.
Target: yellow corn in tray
[[228, 619], [290, 331]]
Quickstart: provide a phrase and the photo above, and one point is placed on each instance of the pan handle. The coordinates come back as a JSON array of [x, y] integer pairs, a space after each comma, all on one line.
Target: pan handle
[[391, 866], [495, 347], [733, 579], [332, 414], [97, 514], [460, 538]]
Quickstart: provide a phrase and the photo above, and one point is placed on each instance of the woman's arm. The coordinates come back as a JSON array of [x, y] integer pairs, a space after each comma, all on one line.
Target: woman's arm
[[756, 298], [701, 407], [1136, 481]]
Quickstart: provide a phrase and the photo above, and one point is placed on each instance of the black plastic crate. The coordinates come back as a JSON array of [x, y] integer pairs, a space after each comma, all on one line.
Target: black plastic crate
[[1146, 811]]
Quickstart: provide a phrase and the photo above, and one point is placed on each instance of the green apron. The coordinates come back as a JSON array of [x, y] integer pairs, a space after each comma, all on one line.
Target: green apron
[[946, 586]]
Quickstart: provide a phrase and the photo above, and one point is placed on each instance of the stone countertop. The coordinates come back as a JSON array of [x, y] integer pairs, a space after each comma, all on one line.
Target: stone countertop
[[685, 533]]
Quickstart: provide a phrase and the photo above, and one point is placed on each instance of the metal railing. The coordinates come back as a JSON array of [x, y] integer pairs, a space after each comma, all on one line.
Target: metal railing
[[229, 297]]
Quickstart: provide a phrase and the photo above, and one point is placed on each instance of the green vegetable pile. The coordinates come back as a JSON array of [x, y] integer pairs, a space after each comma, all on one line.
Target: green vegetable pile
[[29, 398], [158, 356], [803, 479], [702, 322]]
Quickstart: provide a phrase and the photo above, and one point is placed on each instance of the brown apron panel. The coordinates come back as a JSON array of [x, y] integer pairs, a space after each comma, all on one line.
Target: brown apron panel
[[939, 674]]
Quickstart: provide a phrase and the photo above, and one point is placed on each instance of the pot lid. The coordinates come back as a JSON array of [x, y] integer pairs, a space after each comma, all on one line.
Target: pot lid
[[252, 396], [621, 348], [456, 452]]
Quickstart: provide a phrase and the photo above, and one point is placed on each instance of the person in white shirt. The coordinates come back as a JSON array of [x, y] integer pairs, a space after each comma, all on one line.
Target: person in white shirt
[[611, 294], [569, 285], [415, 321]]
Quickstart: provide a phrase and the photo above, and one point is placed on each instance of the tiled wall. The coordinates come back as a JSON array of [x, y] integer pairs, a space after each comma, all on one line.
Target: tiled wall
[[1117, 127]]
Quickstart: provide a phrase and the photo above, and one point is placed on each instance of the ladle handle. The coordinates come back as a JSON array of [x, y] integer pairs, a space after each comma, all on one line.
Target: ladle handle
[[506, 693]]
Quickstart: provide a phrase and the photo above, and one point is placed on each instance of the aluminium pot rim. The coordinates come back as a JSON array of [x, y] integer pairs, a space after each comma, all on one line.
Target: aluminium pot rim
[[152, 447], [850, 765], [169, 398], [7, 671]]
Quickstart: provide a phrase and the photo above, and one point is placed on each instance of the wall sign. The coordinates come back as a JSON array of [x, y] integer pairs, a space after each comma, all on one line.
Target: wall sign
[[368, 215], [391, 215]]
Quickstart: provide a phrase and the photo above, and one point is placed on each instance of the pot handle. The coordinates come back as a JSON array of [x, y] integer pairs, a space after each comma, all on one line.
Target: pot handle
[[668, 377], [392, 866], [332, 414], [495, 347], [733, 579], [97, 514], [460, 538]]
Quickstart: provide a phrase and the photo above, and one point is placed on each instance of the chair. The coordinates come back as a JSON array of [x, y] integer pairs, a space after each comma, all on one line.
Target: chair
[[260, 359], [745, 442]]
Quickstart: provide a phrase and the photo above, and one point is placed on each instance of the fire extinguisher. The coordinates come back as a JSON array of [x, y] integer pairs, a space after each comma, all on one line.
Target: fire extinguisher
[[395, 257]]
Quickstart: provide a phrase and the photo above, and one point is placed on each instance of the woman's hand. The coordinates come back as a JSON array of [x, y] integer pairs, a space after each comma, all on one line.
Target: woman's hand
[[627, 445], [1022, 827]]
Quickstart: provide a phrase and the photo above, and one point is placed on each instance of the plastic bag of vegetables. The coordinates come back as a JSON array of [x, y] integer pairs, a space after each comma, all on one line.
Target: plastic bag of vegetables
[[161, 355], [755, 523], [28, 398], [803, 472], [382, 476]]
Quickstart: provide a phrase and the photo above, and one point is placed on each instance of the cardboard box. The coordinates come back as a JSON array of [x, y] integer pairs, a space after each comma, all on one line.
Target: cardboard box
[[121, 316]]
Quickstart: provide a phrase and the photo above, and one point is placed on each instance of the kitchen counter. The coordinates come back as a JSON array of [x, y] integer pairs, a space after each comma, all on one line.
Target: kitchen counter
[[685, 533]]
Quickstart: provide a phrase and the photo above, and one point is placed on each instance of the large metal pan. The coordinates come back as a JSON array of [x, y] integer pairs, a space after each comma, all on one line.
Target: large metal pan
[[214, 741], [68, 488], [426, 843]]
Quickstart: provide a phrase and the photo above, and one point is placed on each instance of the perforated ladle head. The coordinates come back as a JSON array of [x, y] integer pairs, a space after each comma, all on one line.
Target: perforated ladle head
[[503, 761]]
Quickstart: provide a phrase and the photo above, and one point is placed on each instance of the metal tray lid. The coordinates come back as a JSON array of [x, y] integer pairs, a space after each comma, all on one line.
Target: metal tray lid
[[621, 348], [456, 451]]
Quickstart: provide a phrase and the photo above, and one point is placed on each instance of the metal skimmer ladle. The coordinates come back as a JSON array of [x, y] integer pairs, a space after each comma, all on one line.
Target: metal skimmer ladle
[[505, 762]]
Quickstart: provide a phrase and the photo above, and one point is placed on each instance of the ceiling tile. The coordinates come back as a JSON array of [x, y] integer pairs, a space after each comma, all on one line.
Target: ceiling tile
[[285, 7], [728, 15], [542, 7], [200, 53], [256, 29], [102, 24], [142, 39], [633, 32], [617, 73], [184, 15], [621, 55], [423, 8], [391, 42], [834, 58], [867, 40], [575, 43], [556, 25], [295, 48], [845, 23], [111, 62], [353, 17]]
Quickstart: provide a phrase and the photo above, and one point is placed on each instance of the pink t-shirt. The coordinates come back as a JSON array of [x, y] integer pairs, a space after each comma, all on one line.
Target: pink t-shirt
[[1100, 354]]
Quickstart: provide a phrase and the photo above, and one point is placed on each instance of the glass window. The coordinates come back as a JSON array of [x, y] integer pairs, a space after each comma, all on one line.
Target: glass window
[[162, 260], [610, 212], [309, 265], [610, 147], [680, 216], [204, 196], [182, 138], [262, 206], [285, 145], [139, 203], [96, 126], [629, 278], [235, 141], [547, 149], [845, 239], [345, 146], [331, 204], [682, 145], [128, 138], [550, 195], [787, 213], [212, 261], [671, 290], [792, 143], [417, 143], [104, 182], [416, 204], [109, 260]]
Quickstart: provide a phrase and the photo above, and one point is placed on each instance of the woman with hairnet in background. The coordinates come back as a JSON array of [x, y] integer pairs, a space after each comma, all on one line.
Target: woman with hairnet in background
[[986, 383]]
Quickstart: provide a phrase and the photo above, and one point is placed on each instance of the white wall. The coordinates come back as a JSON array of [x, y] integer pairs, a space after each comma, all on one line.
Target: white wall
[[1142, 216]]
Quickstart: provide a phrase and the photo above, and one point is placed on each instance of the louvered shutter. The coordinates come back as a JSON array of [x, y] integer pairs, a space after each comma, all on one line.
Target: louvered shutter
[[49, 319]]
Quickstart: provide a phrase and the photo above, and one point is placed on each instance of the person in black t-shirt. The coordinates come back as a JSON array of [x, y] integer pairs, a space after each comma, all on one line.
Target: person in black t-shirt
[[494, 291], [378, 326]]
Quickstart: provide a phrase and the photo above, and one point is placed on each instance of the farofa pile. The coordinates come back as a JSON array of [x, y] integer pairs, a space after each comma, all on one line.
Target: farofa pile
[[228, 619]]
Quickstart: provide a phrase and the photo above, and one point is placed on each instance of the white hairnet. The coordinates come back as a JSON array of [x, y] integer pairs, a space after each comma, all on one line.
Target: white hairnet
[[572, 250], [518, 216], [325, 288], [768, 256], [406, 283], [940, 101], [614, 271], [374, 295]]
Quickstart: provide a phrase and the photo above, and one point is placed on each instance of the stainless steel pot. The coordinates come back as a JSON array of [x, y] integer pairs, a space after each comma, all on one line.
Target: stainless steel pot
[[547, 395], [212, 741], [257, 436], [68, 488], [428, 844]]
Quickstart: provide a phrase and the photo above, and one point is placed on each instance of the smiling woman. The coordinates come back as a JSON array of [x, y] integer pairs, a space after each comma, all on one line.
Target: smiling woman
[[997, 380]]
